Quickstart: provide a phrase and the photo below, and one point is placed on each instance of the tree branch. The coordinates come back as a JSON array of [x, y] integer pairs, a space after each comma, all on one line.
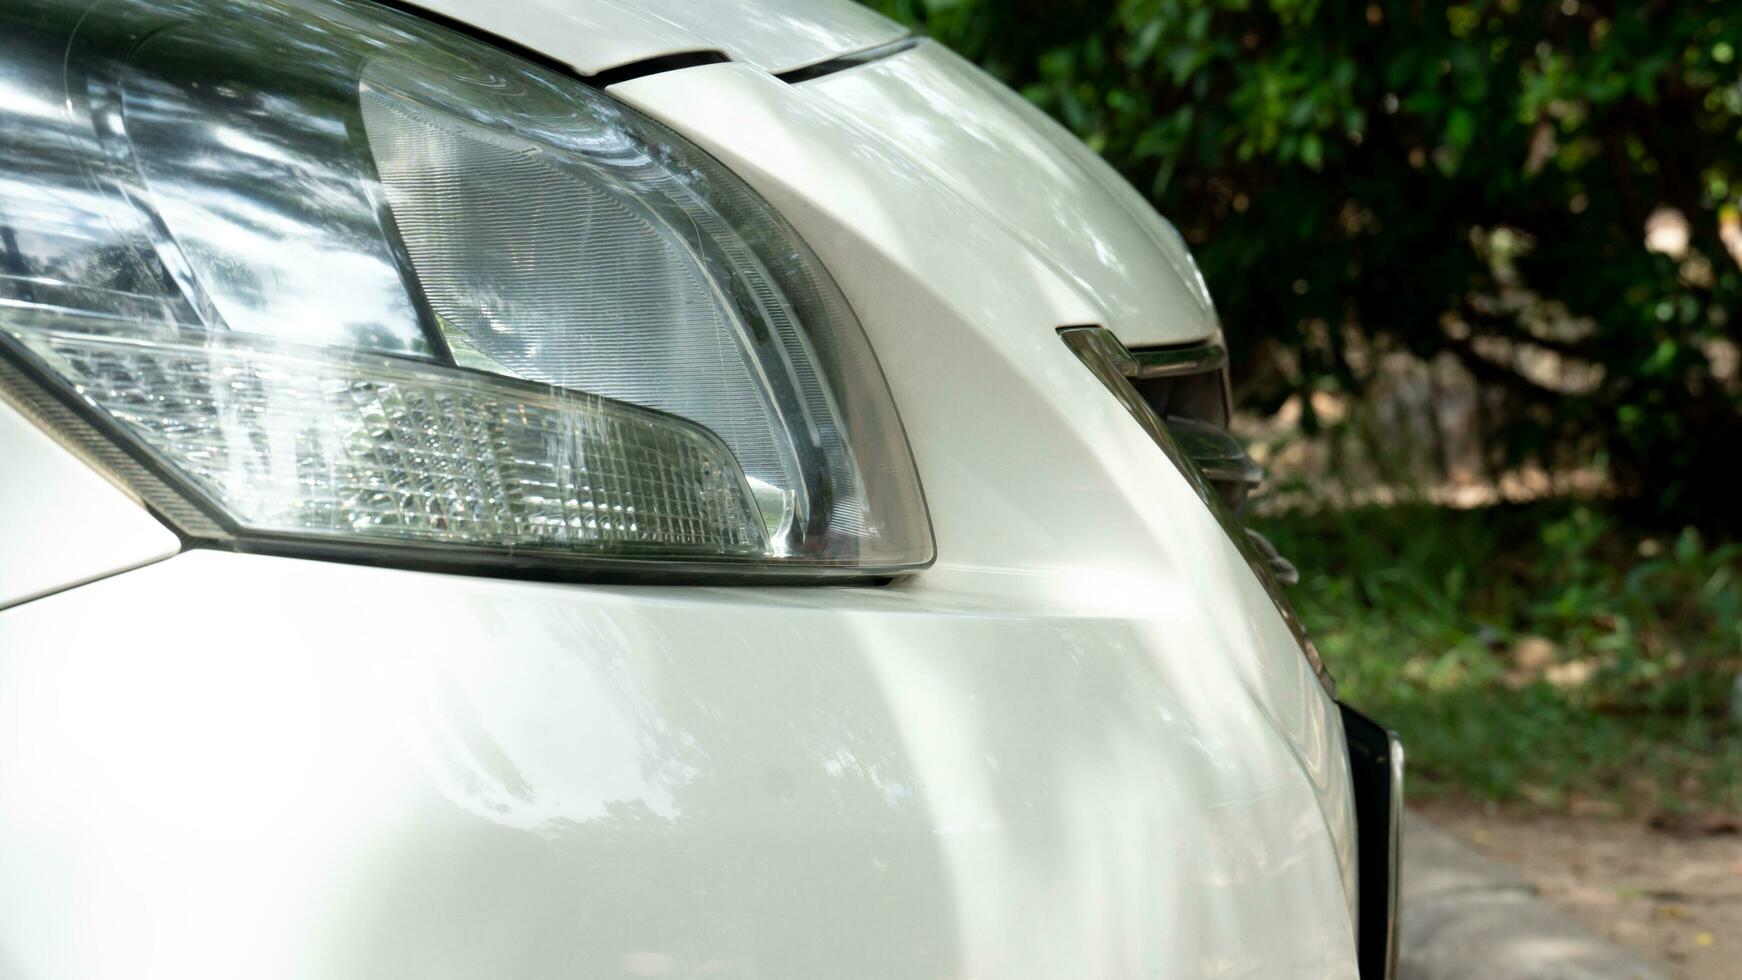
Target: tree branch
[[1488, 372]]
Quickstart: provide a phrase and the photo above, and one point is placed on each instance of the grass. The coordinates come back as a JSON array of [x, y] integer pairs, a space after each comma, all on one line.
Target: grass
[[1543, 656]]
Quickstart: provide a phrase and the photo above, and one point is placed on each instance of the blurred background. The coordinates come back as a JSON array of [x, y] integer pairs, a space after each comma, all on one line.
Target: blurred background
[[1479, 266]]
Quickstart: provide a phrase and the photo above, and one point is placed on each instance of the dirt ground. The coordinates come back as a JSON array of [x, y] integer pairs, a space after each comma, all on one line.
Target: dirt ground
[[1674, 894]]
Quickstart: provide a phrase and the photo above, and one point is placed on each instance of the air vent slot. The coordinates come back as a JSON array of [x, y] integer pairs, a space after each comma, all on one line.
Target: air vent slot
[[846, 61], [1119, 370], [1187, 389]]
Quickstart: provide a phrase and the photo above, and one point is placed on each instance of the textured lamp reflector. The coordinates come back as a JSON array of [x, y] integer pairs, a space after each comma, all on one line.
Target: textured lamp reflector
[[392, 449]]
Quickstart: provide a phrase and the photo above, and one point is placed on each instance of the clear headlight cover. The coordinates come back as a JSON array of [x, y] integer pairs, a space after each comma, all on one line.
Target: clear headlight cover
[[331, 277]]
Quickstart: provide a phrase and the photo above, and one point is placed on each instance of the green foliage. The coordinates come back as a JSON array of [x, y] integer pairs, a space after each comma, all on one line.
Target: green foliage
[[1437, 622], [1470, 177]]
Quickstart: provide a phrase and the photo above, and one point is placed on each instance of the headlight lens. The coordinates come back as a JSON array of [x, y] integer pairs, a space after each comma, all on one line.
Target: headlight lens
[[344, 278]]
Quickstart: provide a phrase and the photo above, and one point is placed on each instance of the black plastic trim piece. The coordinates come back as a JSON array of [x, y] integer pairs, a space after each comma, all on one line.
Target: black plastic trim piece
[[846, 61], [1178, 361], [1376, 779], [543, 567], [610, 76], [654, 66]]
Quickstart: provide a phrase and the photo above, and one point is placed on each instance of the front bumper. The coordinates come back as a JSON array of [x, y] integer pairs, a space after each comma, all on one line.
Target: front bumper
[[225, 765]]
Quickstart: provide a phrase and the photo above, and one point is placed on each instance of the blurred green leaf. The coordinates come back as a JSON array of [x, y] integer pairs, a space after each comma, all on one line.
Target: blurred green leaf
[[1422, 615]]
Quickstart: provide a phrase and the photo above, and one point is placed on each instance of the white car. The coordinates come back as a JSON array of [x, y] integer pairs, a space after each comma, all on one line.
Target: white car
[[591, 488]]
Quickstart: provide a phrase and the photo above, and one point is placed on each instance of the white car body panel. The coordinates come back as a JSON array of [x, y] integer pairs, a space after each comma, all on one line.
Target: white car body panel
[[60, 522], [1082, 744], [1061, 199], [592, 36], [224, 766]]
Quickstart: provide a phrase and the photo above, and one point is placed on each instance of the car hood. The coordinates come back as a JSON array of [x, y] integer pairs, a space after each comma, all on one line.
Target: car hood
[[592, 36]]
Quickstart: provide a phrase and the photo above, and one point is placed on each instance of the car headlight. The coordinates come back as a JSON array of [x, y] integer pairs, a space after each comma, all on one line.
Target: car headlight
[[333, 278]]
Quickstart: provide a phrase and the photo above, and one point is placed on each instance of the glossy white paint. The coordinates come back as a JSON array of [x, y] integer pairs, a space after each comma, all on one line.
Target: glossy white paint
[[61, 523], [1082, 744], [1056, 195], [223, 766], [1038, 481], [595, 35]]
